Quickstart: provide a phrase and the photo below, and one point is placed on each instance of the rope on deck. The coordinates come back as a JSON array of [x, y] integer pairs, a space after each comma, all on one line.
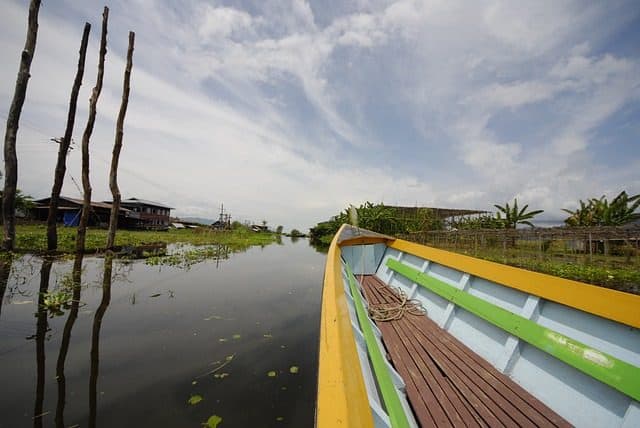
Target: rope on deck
[[395, 311]]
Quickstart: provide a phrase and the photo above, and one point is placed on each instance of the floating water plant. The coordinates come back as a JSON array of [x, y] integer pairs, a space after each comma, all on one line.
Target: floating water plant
[[213, 421], [293, 369], [194, 399], [272, 373], [55, 301], [227, 360], [220, 375]]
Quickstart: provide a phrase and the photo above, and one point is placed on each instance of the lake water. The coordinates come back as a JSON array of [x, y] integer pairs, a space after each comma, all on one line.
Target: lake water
[[241, 334]]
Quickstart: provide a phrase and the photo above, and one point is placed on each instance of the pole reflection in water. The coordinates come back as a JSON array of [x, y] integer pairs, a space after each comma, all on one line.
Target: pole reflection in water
[[5, 270], [66, 339], [95, 337], [41, 331]]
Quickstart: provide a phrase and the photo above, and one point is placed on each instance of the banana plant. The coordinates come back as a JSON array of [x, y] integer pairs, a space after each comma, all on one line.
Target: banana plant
[[600, 212], [514, 216]]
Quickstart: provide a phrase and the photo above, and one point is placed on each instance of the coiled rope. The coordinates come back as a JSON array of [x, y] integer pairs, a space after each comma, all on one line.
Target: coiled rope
[[395, 311]]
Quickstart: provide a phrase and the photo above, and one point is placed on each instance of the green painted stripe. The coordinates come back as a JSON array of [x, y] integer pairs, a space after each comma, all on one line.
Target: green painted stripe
[[390, 397], [616, 373]]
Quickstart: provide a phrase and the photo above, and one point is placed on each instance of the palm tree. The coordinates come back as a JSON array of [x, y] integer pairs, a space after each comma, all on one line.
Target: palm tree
[[513, 216]]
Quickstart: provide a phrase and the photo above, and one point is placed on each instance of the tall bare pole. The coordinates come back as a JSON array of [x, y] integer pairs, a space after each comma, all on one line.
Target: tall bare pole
[[113, 175], [13, 118], [93, 101], [65, 141]]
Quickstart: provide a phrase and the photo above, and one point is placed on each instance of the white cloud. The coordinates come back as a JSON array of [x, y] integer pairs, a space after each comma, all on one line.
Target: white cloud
[[220, 22], [257, 108]]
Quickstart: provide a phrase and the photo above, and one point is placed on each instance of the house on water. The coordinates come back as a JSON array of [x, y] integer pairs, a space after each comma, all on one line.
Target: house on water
[[146, 214], [134, 213], [69, 210]]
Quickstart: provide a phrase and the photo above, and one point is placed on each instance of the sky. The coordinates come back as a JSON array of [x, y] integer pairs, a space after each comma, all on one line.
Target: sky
[[289, 111]]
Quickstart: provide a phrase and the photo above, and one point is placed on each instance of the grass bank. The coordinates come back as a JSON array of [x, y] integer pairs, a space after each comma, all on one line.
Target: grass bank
[[33, 238]]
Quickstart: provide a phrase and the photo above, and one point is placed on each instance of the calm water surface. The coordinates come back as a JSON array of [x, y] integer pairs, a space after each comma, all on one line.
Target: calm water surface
[[133, 352]]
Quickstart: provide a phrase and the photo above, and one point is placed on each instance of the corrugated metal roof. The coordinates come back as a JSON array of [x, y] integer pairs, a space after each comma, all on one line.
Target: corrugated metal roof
[[439, 212], [146, 202], [105, 205]]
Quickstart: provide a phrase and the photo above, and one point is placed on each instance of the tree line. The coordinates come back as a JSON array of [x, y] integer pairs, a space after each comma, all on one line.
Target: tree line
[[391, 220]]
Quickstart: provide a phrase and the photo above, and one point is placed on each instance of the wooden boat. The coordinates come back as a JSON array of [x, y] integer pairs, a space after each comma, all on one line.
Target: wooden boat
[[498, 346]]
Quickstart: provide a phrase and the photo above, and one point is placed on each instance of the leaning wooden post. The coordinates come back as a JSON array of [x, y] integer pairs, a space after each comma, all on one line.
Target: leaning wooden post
[[65, 141], [13, 118], [113, 175], [93, 101]]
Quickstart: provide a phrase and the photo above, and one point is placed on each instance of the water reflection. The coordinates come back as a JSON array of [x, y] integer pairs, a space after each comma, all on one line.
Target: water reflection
[[145, 359], [5, 269], [95, 337], [76, 276], [41, 331]]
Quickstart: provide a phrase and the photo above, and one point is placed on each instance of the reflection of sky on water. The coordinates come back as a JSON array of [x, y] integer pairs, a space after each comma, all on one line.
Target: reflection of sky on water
[[153, 348]]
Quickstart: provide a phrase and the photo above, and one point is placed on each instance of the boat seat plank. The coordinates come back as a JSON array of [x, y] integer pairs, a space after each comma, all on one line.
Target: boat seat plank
[[448, 384]]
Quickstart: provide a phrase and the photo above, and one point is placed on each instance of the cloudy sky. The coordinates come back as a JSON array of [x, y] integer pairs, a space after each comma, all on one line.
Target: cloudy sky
[[289, 111]]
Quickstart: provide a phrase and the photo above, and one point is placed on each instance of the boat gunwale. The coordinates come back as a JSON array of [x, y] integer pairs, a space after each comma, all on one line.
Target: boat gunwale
[[604, 302], [595, 363], [342, 395]]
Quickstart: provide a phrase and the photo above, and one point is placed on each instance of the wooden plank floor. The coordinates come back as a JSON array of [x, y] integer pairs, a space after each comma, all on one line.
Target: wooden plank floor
[[447, 383]]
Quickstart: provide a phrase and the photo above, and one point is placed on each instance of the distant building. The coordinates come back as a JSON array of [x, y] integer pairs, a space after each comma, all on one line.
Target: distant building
[[259, 228], [147, 214], [70, 209]]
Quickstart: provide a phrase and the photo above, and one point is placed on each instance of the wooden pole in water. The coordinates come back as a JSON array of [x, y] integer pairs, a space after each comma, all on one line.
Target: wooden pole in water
[[113, 175], [86, 136], [13, 119], [65, 141]]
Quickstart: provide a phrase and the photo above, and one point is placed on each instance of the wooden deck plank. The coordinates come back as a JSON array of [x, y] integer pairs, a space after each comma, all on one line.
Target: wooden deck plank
[[475, 405], [486, 380], [447, 383], [484, 369], [480, 379], [447, 396], [429, 403]]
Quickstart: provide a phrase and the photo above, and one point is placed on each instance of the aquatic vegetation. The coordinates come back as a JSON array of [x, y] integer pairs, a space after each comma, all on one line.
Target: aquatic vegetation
[[59, 299], [272, 373], [220, 375], [294, 369], [34, 238], [56, 300], [227, 360], [213, 421], [194, 399]]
